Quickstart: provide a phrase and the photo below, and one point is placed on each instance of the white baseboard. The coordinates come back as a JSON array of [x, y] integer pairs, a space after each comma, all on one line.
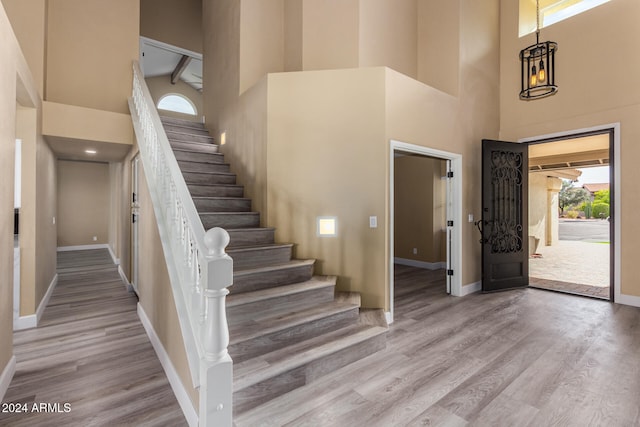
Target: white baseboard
[[125, 279], [627, 300], [84, 247], [387, 316], [420, 264], [32, 320], [471, 288], [7, 376], [25, 322], [116, 261], [172, 375]]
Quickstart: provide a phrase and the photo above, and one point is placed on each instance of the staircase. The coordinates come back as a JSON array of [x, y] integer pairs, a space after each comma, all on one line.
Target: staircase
[[287, 327]]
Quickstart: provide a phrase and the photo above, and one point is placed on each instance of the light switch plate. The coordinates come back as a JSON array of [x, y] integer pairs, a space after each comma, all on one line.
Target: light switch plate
[[373, 222]]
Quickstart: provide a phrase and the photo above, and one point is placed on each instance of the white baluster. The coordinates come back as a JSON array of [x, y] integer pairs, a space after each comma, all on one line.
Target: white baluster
[[216, 375], [219, 277]]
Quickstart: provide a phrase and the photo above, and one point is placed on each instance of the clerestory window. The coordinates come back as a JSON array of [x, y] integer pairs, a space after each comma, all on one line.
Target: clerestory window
[[551, 12]]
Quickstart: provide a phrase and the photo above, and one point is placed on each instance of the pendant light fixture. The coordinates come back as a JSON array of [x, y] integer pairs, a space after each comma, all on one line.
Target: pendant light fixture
[[537, 66]]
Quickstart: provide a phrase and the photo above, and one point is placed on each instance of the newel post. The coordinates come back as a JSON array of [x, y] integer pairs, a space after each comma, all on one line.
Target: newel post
[[216, 372]]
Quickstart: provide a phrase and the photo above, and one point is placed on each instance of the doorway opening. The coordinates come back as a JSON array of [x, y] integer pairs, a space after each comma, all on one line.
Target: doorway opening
[[571, 213], [424, 237]]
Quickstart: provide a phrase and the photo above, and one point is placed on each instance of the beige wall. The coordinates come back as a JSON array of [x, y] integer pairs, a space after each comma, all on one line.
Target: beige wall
[[176, 22], [46, 231], [28, 22], [221, 60], [88, 63], [419, 209], [261, 40], [422, 115], [38, 232], [20, 108], [293, 35], [438, 53], [155, 293], [330, 34], [316, 169], [161, 85], [83, 203], [388, 35], [326, 133], [86, 124], [612, 31], [8, 51]]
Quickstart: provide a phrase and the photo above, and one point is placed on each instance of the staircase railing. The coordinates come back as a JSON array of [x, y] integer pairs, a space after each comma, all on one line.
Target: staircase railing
[[199, 269]]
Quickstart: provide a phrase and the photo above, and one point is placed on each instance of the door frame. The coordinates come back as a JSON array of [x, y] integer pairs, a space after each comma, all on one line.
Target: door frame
[[454, 198], [17, 286], [134, 201], [614, 178]]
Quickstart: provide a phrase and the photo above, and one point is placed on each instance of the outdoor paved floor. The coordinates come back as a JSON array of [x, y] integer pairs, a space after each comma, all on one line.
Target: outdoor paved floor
[[571, 263]]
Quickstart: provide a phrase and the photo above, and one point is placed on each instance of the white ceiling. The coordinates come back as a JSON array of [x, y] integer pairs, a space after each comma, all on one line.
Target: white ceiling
[[160, 59]]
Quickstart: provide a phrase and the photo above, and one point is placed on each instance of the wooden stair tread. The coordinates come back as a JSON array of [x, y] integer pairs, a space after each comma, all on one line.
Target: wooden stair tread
[[172, 120], [210, 173], [217, 185], [284, 319], [258, 247], [300, 354], [200, 162], [221, 198], [185, 132], [227, 213], [189, 151], [316, 282], [290, 264]]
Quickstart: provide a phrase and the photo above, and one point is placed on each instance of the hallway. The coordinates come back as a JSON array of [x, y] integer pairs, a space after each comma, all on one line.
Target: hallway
[[90, 351]]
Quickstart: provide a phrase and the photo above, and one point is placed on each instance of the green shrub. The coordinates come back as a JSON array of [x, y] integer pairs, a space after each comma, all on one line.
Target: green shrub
[[572, 214], [600, 210]]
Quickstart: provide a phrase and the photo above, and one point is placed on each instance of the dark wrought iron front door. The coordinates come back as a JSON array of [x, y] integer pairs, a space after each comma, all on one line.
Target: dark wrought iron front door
[[505, 255]]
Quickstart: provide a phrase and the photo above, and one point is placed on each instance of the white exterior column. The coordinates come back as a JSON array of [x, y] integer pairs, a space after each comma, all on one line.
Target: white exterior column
[[553, 189]]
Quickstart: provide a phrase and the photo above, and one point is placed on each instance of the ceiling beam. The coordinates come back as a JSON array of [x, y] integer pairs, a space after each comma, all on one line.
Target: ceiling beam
[[182, 65]]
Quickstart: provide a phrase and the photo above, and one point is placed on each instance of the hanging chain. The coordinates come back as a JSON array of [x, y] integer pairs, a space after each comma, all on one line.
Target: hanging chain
[[537, 16], [537, 21]]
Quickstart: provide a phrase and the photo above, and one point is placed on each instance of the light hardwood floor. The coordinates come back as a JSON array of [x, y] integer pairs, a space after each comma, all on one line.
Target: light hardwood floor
[[517, 358], [91, 351]]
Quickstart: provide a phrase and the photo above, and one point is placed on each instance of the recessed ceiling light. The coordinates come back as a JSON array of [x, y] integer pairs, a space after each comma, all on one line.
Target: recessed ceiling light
[[90, 151]]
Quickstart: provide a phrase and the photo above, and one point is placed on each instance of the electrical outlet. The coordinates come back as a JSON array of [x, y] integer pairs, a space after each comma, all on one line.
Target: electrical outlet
[[470, 217], [415, 251], [95, 238], [373, 222]]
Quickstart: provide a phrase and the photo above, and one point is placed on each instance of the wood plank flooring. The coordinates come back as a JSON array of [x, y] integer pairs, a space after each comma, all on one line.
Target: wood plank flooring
[[91, 352], [518, 358]]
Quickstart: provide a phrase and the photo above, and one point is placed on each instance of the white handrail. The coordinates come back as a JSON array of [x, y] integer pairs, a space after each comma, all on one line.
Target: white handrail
[[199, 269]]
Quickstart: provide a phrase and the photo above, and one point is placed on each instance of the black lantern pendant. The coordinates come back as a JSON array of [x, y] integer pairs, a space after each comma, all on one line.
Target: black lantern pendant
[[537, 67]]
